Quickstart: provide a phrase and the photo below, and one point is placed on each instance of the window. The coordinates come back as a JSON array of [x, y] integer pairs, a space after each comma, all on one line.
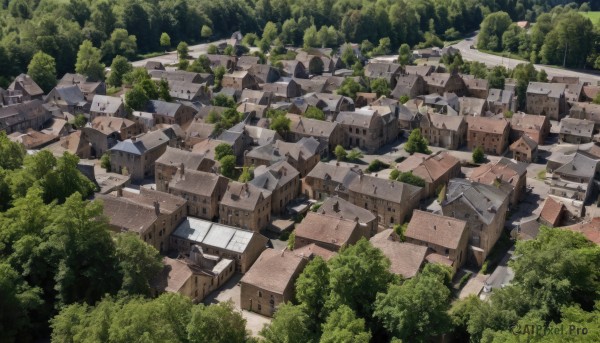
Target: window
[[259, 307], [259, 294]]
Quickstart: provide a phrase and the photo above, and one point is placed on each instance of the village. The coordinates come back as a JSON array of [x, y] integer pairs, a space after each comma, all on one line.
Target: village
[[239, 182]]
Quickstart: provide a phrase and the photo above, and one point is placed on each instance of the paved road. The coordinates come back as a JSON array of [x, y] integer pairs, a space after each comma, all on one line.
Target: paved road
[[492, 60], [171, 57]]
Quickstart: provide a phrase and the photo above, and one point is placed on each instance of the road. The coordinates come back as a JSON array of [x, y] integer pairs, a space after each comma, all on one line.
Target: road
[[492, 60], [171, 57]]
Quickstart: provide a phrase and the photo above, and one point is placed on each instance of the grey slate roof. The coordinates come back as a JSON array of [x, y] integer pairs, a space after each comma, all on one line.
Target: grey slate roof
[[106, 104], [552, 90], [579, 166], [274, 176], [484, 199], [163, 107], [577, 127], [389, 190], [336, 206]]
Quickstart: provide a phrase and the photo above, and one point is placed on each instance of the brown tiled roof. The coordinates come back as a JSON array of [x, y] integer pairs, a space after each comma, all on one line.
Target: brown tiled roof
[[191, 160], [274, 270], [526, 140], [441, 259], [406, 258], [436, 229], [336, 206], [168, 203], [504, 169], [312, 250], [196, 182], [32, 139], [176, 273], [437, 79], [27, 84], [327, 229], [590, 229], [473, 83], [591, 91], [429, 168], [244, 196], [108, 125], [551, 211], [313, 127], [441, 121], [389, 190], [522, 121], [126, 214], [487, 125]]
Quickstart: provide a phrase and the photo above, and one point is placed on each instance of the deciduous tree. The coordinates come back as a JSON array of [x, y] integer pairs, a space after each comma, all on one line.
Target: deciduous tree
[[42, 70]]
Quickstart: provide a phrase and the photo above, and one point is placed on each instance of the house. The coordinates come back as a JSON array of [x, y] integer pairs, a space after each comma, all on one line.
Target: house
[[312, 250], [246, 62], [575, 179], [329, 133], [477, 88], [282, 180], [408, 120], [154, 65], [239, 80], [552, 212], [27, 87], [327, 231], [406, 259], [167, 165], [423, 70], [88, 87], [188, 91], [472, 106], [151, 214], [490, 134], [386, 71], [441, 83], [241, 246], [245, 205], [293, 68], [584, 110], [364, 99], [313, 63], [547, 99], [32, 140], [107, 106], [446, 237], [260, 136], [514, 173], [441, 103], [368, 128], [411, 85], [501, 101], [444, 131], [57, 127], [524, 149], [327, 179], [105, 132], [23, 116], [302, 155], [68, 99], [225, 61], [203, 190], [308, 86], [537, 127], [170, 112], [335, 103], [590, 228], [263, 73], [576, 131], [194, 277], [483, 207], [176, 76], [270, 281], [73, 143], [256, 97], [340, 208], [136, 156], [391, 201], [436, 170], [283, 90]]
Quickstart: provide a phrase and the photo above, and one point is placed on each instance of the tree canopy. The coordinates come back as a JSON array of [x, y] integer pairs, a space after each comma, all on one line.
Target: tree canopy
[[416, 143]]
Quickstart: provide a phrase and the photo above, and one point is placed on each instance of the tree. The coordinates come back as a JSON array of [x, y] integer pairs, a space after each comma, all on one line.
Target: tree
[[163, 90], [348, 56], [410, 178], [380, 87], [11, 153], [478, 155], [247, 174], [542, 76], [492, 28], [416, 143], [289, 325], [79, 121], [216, 323], [223, 100], [384, 47], [404, 55], [496, 77], [138, 262], [343, 326], [312, 290], [376, 165], [355, 155], [42, 70], [182, 50], [340, 153], [416, 310], [597, 99], [314, 113], [212, 49], [349, 88], [404, 99], [105, 161], [311, 39], [281, 124], [201, 65], [219, 73], [136, 98], [165, 41], [228, 166], [119, 67], [88, 61], [269, 32], [135, 76], [120, 43], [206, 31]]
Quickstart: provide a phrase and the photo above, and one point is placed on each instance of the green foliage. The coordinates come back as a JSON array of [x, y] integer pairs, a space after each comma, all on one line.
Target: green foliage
[[247, 174], [219, 73], [416, 143], [135, 76], [279, 122], [136, 98], [314, 113], [165, 40], [182, 50], [380, 87], [289, 325], [597, 99], [118, 69], [404, 55], [105, 161], [228, 166], [340, 153], [384, 47], [222, 150], [225, 120], [79, 121], [394, 174], [478, 155], [342, 326], [400, 231], [206, 31], [291, 240], [312, 290], [120, 43], [216, 323], [508, 114], [354, 155], [410, 178], [42, 70], [201, 65], [465, 278], [138, 262], [403, 99], [492, 29], [250, 39], [89, 61], [223, 100], [442, 194], [496, 77], [349, 88], [163, 90], [348, 56], [376, 165], [212, 49]]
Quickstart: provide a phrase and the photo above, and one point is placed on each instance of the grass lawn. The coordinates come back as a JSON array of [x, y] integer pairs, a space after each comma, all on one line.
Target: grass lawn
[[594, 16]]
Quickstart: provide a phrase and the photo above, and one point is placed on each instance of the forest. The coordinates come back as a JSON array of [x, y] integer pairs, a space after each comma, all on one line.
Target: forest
[[134, 28]]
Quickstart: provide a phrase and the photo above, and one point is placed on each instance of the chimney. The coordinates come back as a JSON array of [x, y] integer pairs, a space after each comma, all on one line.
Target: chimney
[[120, 191], [157, 207], [434, 227], [182, 169], [133, 139], [336, 206]]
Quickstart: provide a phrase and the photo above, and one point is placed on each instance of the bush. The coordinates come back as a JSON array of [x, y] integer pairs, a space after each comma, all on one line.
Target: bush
[[465, 279], [541, 174], [291, 240], [484, 268], [411, 179], [105, 161], [376, 165], [354, 155], [478, 155], [340, 153]]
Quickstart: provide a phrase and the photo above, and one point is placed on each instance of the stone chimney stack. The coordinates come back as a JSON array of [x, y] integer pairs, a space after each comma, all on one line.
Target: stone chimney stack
[[120, 191], [157, 208], [182, 169]]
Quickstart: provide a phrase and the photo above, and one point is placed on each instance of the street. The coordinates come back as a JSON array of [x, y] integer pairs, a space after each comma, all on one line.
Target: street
[[171, 57]]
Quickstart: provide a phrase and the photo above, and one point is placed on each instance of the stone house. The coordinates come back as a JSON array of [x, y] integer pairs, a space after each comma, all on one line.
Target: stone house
[[576, 131], [107, 106], [483, 207], [436, 170], [23, 116], [72, 143], [524, 149], [293, 68], [256, 97], [239, 80], [282, 180], [547, 99], [477, 88], [302, 155], [446, 237], [171, 162], [88, 87], [469, 106], [504, 170], [575, 179], [391, 201], [105, 132], [270, 281], [441, 83], [264, 73], [308, 86], [589, 111], [170, 112], [408, 119], [27, 87], [406, 259], [241, 246], [314, 64], [188, 91], [329, 133], [246, 62], [501, 101], [202, 190], [536, 127], [68, 99], [151, 214], [176, 76], [411, 85], [154, 65], [368, 128], [32, 139], [490, 134], [283, 90], [327, 179], [245, 205], [444, 131], [386, 71], [340, 208], [327, 231], [423, 70]]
